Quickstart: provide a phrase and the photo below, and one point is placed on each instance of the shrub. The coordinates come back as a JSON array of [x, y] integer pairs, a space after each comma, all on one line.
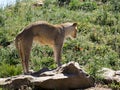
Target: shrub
[[63, 2], [115, 5], [4, 42], [105, 18], [42, 57], [74, 4], [87, 6], [7, 70], [2, 20]]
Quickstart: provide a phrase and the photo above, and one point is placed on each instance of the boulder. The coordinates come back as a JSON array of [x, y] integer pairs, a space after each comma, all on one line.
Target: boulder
[[68, 76], [39, 3], [110, 76]]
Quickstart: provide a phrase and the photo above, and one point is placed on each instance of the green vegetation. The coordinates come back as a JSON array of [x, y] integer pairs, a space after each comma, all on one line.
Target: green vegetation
[[97, 44]]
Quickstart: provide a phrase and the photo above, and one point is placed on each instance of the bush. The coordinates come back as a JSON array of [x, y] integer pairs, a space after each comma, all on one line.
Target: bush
[[9, 56], [7, 70], [87, 6], [42, 57], [63, 2], [115, 5], [105, 18], [2, 20], [74, 4]]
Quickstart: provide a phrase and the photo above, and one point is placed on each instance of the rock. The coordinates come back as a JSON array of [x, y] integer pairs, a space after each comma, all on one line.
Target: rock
[[38, 3], [68, 76], [110, 76], [99, 87]]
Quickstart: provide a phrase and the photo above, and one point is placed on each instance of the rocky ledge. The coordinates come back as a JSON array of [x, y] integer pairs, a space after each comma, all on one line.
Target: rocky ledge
[[68, 76]]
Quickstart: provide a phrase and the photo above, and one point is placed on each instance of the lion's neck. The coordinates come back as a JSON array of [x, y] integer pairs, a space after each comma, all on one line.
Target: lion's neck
[[67, 32]]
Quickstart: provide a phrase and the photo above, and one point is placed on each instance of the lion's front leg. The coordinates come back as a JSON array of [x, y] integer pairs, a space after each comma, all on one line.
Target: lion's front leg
[[57, 54]]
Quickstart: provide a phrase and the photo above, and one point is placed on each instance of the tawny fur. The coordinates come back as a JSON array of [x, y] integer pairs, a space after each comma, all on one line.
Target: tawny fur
[[46, 34]]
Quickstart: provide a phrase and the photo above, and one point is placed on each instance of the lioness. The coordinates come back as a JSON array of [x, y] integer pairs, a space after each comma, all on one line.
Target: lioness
[[46, 34]]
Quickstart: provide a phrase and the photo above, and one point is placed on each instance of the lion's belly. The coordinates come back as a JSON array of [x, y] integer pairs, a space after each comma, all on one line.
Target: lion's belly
[[44, 41]]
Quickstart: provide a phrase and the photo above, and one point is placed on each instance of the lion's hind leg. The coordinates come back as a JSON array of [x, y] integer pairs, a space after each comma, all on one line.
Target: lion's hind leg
[[24, 51]]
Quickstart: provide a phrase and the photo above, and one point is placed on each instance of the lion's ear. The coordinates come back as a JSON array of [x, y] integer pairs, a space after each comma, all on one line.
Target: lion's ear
[[75, 24]]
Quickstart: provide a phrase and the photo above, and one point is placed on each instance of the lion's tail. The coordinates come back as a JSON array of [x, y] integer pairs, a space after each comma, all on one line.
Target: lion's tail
[[18, 45], [17, 41]]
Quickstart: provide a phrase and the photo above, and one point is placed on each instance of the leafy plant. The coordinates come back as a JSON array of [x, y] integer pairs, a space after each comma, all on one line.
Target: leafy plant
[[87, 6], [9, 70]]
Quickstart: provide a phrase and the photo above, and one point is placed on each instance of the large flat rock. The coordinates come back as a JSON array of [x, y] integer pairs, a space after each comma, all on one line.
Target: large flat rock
[[68, 76]]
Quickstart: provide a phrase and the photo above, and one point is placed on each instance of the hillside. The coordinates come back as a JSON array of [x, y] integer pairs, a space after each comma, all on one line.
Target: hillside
[[97, 44]]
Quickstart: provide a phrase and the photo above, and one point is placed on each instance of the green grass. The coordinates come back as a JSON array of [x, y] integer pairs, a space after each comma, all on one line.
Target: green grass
[[97, 44]]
